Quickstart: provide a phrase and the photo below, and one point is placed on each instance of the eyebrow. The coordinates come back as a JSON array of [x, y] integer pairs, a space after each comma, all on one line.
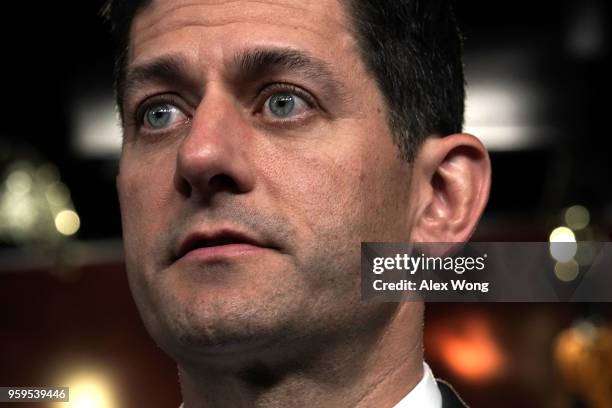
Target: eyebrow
[[248, 65], [166, 69], [263, 61]]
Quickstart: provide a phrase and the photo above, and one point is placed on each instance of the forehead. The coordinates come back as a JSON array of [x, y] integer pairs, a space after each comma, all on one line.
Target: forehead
[[215, 28]]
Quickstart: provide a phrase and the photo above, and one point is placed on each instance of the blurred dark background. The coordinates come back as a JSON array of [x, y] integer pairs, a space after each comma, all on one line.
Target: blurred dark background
[[539, 86]]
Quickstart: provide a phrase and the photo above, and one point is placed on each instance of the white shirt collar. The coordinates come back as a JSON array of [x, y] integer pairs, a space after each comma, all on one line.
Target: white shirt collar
[[426, 394]]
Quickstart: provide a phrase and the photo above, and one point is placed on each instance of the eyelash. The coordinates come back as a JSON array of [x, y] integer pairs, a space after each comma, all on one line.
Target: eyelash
[[280, 87]]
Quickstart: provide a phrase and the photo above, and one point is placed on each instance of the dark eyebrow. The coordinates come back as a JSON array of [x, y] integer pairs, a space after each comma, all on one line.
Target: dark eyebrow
[[257, 63], [167, 69], [248, 65]]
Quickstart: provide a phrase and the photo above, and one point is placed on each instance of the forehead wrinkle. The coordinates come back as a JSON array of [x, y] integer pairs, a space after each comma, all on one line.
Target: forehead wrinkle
[[177, 25], [150, 29], [191, 24], [178, 7]]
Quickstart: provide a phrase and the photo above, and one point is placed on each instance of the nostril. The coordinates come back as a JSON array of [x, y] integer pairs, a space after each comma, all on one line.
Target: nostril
[[223, 182], [216, 184]]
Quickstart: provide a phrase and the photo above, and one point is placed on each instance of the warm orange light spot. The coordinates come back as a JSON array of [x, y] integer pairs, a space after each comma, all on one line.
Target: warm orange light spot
[[471, 352]]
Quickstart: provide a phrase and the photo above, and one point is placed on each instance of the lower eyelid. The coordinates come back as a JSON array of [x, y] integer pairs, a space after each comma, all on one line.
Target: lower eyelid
[[173, 129]]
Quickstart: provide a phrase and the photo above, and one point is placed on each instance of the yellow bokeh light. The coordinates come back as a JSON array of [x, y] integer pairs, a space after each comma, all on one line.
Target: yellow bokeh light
[[562, 234], [20, 212], [19, 182], [67, 222], [566, 271], [577, 217], [57, 194], [563, 246], [88, 390]]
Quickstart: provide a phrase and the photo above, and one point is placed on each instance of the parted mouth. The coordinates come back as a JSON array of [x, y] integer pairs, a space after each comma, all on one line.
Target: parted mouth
[[219, 238]]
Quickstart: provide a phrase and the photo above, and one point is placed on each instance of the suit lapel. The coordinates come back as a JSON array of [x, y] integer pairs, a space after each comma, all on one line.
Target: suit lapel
[[450, 399]]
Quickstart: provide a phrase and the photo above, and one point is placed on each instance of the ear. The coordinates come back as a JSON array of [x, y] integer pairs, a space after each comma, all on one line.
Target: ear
[[451, 183]]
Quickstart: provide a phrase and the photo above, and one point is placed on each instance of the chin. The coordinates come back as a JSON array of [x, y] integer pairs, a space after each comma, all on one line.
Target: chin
[[208, 320], [221, 338]]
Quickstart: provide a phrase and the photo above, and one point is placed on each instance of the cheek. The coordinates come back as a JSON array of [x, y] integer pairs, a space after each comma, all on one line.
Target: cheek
[[310, 187], [350, 193], [142, 196]]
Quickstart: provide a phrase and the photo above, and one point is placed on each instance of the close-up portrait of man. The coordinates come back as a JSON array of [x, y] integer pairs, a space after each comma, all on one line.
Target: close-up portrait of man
[[263, 141], [320, 203]]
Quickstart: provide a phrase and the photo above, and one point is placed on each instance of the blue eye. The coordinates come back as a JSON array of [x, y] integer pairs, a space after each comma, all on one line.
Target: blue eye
[[285, 105], [162, 116]]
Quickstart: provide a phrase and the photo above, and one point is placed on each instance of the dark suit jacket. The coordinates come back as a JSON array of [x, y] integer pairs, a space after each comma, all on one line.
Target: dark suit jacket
[[450, 399]]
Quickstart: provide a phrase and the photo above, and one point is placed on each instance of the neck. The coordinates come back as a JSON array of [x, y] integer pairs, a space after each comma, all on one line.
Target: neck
[[360, 370]]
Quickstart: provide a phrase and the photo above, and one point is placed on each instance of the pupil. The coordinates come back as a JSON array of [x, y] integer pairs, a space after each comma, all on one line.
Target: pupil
[[282, 105], [159, 117]]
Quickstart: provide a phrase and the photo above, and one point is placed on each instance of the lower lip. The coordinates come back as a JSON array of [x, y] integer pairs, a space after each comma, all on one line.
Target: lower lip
[[221, 252]]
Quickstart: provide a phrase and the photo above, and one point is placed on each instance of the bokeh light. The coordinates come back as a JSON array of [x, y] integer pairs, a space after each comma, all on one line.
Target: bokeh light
[[472, 352], [577, 217], [89, 390], [567, 271], [19, 182], [57, 194], [67, 222], [563, 246]]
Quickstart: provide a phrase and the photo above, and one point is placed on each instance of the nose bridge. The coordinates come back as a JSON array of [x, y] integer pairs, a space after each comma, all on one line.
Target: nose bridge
[[214, 148], [214, 125]]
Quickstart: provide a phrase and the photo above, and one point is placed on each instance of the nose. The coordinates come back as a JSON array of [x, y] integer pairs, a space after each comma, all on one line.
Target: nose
[[213, 157]]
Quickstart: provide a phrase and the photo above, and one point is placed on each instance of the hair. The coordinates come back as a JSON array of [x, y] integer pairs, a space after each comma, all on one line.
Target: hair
[[413, 49]]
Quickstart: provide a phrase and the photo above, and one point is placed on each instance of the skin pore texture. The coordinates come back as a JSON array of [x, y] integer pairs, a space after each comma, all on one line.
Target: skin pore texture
[[276, 322]]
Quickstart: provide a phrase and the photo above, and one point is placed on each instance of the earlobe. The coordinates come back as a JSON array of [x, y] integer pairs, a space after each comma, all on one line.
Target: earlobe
[[452, 177]]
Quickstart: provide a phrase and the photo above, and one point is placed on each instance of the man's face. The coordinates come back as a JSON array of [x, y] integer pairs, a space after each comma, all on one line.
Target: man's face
[[256, 159]]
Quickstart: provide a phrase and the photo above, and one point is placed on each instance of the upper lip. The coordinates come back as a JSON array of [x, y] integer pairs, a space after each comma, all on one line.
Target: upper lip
[[203, 239]]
